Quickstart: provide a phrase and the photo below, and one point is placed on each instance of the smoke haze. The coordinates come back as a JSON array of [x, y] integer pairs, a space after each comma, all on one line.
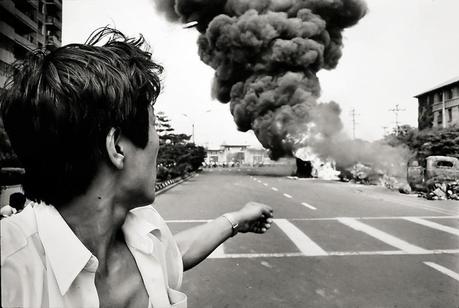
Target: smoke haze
[[266, 55]]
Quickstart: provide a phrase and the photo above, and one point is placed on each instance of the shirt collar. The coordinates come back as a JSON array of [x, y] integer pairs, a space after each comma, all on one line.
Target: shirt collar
[[65, 252], [139, 223]]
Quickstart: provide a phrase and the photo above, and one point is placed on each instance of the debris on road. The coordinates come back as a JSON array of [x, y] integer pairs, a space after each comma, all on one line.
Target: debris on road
[[441, 190]]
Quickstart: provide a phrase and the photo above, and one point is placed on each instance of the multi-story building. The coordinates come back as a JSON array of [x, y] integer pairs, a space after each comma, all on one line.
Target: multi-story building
[[26, 25], [439, 106]]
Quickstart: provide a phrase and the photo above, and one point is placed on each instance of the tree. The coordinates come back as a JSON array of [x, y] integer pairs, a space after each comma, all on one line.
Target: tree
[[177, 156], [162, 125], [428, 142]]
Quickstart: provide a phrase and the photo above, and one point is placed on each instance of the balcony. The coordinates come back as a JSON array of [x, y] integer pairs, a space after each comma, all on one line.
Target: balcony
[[53, 22], [26, 20], [449, 103], [7, 30], [8, 6], [24, 43], [33, 3]]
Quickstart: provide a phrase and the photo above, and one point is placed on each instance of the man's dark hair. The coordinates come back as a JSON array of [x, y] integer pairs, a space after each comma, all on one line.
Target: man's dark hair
[[17, 201], [59, 106]]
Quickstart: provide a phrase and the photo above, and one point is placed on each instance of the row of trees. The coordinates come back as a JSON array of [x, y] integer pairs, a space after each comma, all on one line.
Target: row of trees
[[427, 142]]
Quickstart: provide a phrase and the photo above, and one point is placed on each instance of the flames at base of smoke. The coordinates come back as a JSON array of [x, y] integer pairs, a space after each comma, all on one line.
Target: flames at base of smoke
[[392, 161]]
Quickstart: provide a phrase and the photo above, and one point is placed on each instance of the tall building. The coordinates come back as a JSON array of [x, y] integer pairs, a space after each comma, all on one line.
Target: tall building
[[439, 106], [26, 25]]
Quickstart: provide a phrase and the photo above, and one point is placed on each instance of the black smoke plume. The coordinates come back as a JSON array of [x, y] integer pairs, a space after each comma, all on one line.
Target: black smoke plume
[[266, 54]]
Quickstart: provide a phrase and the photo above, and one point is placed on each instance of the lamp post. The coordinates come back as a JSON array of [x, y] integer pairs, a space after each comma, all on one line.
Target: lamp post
[[192, 124]]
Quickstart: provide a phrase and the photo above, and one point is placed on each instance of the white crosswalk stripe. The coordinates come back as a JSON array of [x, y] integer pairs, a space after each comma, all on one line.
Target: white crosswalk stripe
[[307, 247], [382, 236], [301, 240], [219, 252], [433, 225], [443, 270]]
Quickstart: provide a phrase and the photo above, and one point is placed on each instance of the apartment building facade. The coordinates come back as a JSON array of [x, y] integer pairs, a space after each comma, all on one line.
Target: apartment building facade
[[26, 25], [439, 106]]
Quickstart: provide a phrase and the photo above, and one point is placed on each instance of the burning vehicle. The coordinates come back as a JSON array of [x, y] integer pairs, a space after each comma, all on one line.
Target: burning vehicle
[[438, 180]]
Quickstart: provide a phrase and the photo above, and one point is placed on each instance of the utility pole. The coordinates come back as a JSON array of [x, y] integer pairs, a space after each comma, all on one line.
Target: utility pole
[[396, 112], [385, 129], [354, 123]]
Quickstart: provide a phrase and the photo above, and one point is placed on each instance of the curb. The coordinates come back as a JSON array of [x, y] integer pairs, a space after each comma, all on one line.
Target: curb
[[169, 184]]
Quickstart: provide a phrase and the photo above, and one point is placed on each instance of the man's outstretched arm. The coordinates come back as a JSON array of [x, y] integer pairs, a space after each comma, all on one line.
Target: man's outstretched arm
[[197, 243]]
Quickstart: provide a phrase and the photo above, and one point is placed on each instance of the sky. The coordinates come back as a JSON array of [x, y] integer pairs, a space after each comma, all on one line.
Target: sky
[[398, 50]]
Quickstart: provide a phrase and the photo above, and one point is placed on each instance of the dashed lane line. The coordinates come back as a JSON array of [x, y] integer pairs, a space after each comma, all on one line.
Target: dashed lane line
[[301, 240], [433, 225], [308, 206], [443, 270], [287, 196], [266, 184], [274, 188], [382, 236]]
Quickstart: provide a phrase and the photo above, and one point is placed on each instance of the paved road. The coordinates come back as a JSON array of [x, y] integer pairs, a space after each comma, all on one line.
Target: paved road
[[332, 245]]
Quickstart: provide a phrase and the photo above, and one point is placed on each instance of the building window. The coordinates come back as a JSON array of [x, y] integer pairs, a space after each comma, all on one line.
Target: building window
[[439, 97], [450, 114], [449, 94], [440, 117]]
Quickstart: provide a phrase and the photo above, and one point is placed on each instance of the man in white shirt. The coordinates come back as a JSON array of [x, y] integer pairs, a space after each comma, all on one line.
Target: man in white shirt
[[81, 120]]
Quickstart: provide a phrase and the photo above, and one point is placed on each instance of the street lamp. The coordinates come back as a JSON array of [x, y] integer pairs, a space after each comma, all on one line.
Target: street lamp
[[192, 124]]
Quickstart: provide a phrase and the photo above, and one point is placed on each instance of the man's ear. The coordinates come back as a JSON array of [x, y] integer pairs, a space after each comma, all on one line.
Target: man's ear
[[114, 148]]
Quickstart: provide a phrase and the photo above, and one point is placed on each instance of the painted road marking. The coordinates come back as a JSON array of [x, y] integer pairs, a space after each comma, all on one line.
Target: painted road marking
[[266, 184], [443, 270], [301, 240], [308, 206], [274, 188], [330, 253], [433, 225], [325, 218], [287, 196], [382, 236], [218, 252]]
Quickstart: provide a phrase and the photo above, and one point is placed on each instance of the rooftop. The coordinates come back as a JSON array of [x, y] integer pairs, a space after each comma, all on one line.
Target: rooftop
[[442, 85]]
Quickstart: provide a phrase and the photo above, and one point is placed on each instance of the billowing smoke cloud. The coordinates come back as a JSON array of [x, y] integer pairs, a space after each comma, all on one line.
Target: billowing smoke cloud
[[266, 54]]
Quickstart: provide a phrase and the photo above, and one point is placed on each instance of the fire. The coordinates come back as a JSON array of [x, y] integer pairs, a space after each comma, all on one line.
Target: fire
[[325, 170]]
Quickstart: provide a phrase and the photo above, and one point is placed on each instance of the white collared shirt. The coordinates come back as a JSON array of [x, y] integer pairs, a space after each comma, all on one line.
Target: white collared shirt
[[44, 264]]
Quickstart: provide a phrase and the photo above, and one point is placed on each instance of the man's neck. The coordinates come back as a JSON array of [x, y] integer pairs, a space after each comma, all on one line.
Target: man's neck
[[96, 218]]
